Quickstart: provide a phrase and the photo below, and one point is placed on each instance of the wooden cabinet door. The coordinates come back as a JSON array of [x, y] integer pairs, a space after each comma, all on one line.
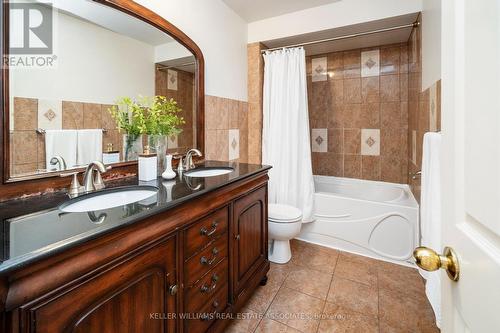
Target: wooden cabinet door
[[250, 236], [130, 296]]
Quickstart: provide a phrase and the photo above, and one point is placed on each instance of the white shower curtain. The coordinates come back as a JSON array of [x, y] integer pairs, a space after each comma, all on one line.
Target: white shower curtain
[[285, 135]]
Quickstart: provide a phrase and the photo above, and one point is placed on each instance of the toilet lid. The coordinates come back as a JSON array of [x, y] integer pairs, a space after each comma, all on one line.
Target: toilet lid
[[284, 213]]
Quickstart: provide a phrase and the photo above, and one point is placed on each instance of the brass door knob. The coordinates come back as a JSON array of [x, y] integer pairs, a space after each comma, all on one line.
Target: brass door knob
[[430, 260]]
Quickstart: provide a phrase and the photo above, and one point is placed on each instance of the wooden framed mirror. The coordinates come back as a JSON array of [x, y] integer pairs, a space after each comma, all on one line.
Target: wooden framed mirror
[[61, 79]]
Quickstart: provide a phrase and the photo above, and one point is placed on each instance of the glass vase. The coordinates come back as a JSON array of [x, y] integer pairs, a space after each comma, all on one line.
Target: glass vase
[[132, 146], [158, 145]]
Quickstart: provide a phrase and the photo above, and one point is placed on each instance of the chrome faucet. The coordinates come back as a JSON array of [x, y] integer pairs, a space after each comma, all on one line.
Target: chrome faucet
[[91, 182], [187, 163]]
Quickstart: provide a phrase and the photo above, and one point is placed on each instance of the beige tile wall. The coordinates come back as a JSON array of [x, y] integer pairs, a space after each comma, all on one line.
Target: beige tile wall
[[361, 101], [424, 109], [226, 129], [184, 96], [255, 96], [28, 147]]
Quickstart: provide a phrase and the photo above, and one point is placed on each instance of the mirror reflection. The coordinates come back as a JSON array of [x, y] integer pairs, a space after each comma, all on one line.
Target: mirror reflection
[[116, 85]]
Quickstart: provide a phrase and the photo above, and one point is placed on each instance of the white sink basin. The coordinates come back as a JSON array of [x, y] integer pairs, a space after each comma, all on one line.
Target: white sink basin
[[209, 172], [108, 199]]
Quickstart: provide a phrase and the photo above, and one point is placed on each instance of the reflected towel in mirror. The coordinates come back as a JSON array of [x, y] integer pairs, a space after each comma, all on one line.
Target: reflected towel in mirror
[[89, 146], [60, 143]]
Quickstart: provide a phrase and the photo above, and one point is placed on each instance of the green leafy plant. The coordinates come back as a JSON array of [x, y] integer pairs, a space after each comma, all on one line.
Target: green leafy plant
[[162, 117], [127, 115], [156, 115]]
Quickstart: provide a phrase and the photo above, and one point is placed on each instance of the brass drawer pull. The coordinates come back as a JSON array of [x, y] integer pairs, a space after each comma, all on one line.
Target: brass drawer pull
[[215, 304], [206, 289], [205, 232]]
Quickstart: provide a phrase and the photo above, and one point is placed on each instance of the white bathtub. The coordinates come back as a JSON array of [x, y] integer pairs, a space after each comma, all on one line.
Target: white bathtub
[[374, 219]]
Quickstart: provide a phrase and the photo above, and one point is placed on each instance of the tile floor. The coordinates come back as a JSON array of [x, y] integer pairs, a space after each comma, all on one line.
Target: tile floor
[[325, 290]]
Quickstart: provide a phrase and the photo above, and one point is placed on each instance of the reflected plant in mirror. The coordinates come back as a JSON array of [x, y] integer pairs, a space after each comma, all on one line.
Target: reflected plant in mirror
[[127, 115], [155, 117]]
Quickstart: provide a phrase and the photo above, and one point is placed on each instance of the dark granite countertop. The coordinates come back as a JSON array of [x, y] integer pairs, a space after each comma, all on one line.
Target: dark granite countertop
[[35, 228]]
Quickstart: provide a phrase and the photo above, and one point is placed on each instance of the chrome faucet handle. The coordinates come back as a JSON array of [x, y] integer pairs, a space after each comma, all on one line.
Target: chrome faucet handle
[[75, 188], [180, 166]]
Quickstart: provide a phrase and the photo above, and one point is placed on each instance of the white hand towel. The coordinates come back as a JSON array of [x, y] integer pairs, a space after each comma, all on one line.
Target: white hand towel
[[89, 146], [430, 214], [60, 143]]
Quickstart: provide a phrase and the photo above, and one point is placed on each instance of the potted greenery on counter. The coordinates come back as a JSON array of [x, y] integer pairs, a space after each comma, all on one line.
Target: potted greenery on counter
[[157, 117], [127, 114]]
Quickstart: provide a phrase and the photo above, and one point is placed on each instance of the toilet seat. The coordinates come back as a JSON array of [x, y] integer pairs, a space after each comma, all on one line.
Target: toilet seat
[[284, 214]]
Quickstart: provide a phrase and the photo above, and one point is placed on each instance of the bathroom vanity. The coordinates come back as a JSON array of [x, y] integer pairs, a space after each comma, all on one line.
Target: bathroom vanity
[[181, 260]]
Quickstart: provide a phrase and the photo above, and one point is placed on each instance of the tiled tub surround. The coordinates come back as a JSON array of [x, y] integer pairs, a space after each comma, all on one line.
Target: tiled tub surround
[[424, 109], [348, 293], [179, 85], [358, 108], [226, 129], [255, 100], [28, 147]]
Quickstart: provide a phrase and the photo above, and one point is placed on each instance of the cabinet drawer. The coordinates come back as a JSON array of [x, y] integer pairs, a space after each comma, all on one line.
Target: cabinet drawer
[[204, 231], [203, 262], [200, 321], [198, 295]]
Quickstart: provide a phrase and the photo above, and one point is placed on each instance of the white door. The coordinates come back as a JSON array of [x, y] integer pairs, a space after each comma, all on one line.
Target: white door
[[471, 163]]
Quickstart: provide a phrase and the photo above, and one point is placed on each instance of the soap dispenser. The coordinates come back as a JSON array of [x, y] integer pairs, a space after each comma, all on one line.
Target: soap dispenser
[[147, 165], [110, 155]]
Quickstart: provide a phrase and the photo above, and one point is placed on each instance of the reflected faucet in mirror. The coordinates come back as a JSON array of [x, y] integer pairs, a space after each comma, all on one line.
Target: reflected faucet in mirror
[[59, 163], [97, 219]]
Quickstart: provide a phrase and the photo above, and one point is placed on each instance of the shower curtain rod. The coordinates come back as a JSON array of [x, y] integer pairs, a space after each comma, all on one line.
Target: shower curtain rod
[[160, 67], [359, 34]]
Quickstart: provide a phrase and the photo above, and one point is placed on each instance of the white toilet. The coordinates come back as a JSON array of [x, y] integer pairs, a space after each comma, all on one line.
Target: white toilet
[[284, 223]]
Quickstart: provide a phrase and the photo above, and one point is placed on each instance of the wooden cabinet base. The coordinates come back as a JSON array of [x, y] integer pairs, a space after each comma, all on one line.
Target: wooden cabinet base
[[201, 260]]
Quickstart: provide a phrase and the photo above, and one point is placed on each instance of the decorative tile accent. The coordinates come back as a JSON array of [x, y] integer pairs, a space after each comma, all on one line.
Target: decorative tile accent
[[414, 147], [172, 80], [370, 63], [319, 140], [433, 108], [173, 142], [49, 114], [234, 144], [319, 69], [370, 142]]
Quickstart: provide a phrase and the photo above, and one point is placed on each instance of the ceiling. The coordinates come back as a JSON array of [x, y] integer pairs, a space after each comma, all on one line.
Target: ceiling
[[114, 20], [256, 10], [187, 64], [384, 38]]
